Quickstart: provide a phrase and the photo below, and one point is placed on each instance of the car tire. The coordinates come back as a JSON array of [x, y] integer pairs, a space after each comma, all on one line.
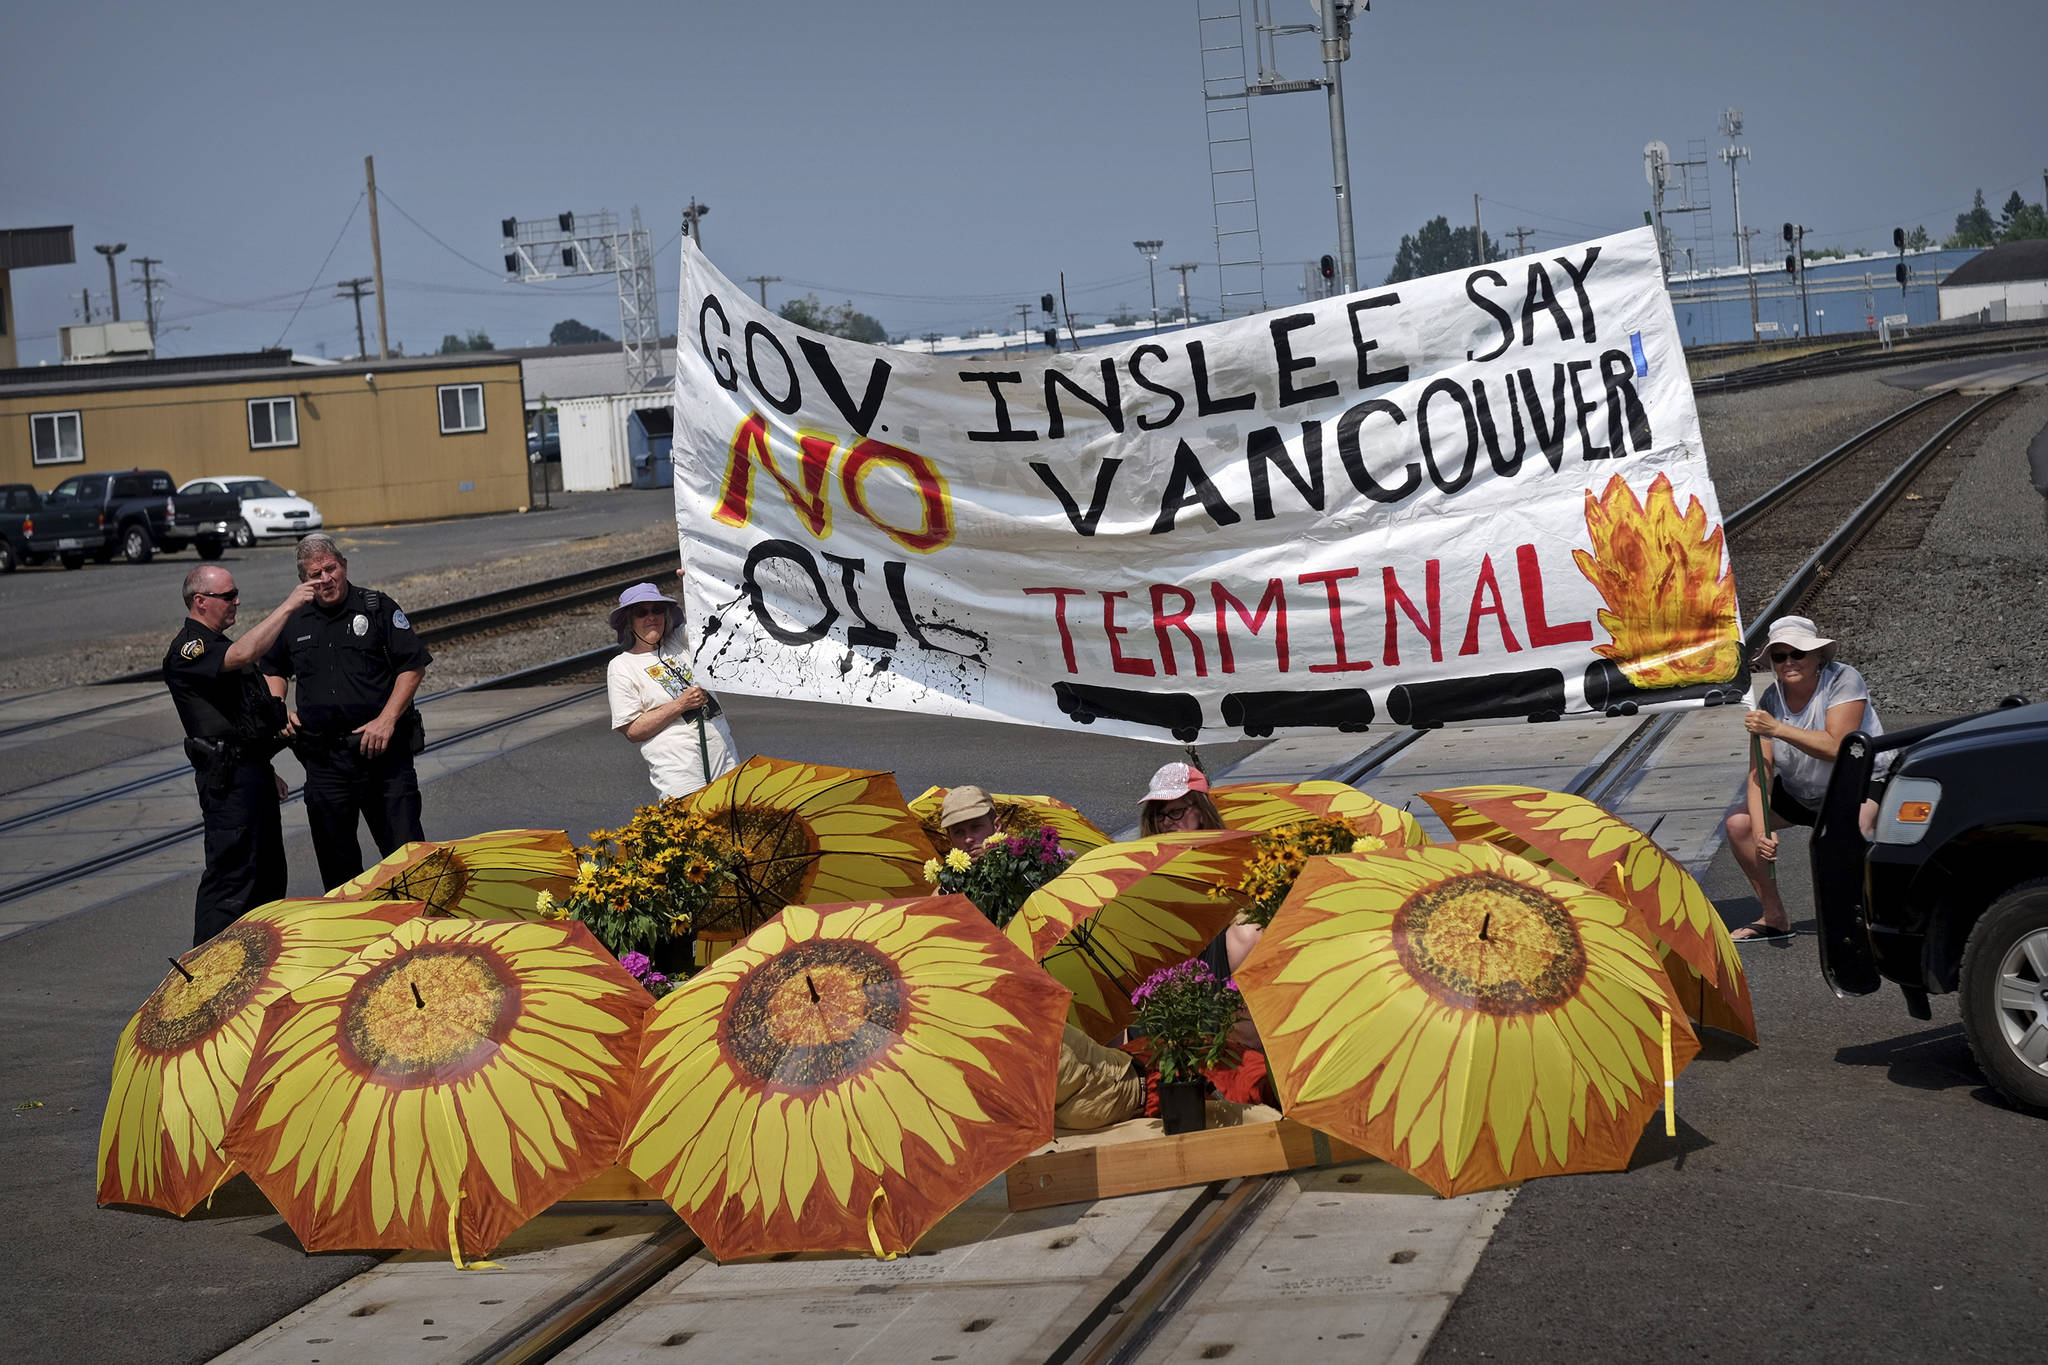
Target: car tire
[[72, 559], [8, 562], [103, 555], [2004, 994], [136, 546], [210, 549], [243, 536]]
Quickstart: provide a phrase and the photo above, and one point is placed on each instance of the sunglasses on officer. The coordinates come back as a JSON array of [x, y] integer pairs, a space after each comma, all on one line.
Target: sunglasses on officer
[[231, 595]]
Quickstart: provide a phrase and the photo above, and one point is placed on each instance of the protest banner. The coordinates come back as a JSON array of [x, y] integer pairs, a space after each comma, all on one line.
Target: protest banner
[[1480, 494]]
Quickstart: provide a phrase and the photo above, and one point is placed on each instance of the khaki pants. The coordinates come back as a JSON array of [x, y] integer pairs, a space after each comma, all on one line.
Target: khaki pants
[[1097, 1085]]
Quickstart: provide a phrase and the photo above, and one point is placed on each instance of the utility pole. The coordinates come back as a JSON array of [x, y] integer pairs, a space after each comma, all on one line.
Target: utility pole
[[376, 258], [1185, 267], [1795, 263], [353, 289], [931, 342], [85, 305], [764, 281], [113, 285], [693, 221], [1336, 17], [1024, 323], [1478, 233], [149, 285], [1520, 234], [1150, 251], [1734, 154]]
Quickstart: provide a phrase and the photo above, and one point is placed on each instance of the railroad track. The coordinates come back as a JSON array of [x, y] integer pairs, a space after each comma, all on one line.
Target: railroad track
[[1850, 360]]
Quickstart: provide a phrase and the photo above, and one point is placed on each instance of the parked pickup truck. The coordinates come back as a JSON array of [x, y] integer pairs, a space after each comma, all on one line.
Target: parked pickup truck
[[139, 514], [1952, 892], [32, 530]]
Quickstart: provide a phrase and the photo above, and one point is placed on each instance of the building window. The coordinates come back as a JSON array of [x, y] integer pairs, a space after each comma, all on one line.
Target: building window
[[462, 408], [273, 422], [54, 438]]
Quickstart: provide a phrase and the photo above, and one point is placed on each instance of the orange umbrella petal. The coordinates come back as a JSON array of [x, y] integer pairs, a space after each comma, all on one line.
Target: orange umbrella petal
[[1273, 805]]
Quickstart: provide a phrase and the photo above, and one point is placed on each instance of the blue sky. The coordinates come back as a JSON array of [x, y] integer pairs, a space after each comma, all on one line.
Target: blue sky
[[936, 163]]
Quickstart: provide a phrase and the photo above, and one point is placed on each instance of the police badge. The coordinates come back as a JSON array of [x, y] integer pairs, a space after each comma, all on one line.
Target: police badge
[[361, 625], [191, 650]]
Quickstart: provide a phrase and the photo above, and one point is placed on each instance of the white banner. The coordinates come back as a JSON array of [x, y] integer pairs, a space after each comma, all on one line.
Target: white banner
[[1478, 494]]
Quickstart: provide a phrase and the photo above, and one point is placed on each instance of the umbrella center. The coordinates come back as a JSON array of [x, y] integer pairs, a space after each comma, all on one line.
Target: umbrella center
[[813, 1015], [225, 972], [439, 879], [430, 1015], [775, 851], [1489, 942]]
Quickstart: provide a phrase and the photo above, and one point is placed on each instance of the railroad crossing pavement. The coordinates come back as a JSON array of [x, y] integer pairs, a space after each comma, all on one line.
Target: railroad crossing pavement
[[149, 798], [1358, 1262]]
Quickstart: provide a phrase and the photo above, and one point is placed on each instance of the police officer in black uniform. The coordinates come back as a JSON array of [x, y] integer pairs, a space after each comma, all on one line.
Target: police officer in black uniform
[[233, 726], [358, 663]]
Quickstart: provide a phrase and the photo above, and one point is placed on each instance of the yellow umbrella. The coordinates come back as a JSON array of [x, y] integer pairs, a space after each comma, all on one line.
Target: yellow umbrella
[[1604, 851], [1123, 911], [1272, 805], [1465, 1015], [808, 833], [498, 875], [442, 1086], [845, 1077], [182, 1057], [1014, 815]]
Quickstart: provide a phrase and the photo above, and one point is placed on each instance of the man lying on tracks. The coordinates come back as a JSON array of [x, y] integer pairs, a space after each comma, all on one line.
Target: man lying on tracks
[[233, 726], [358, 663]]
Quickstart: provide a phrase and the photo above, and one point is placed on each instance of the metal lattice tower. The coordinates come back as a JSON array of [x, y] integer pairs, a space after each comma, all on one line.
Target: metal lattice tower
[[1233, 180], [571, 244]]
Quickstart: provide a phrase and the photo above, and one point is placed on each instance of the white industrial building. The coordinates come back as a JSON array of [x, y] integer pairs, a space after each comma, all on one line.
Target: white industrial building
[[2005, 284]]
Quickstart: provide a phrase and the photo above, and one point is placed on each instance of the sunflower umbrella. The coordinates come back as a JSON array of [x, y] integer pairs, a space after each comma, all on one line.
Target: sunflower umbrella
[[1014, 815], [442, 1086], [183, 1056], [845, 1077], [1463, 1014], [808, 832], [1271, 805], [498, 875], [1604, 851], [1121, 912]]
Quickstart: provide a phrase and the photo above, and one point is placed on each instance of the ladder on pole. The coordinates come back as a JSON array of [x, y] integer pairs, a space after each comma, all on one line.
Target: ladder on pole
[[1233, 181]]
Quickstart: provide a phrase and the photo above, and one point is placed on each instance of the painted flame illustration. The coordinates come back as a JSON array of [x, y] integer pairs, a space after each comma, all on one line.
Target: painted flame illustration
[[1670, 604]]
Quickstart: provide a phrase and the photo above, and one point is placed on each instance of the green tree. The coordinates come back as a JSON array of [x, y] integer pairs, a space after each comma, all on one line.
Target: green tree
[[1435, 247], [1918, 240], [839, 320], [1825, 253], [570, 332], [1974, 228], [452, 344], [2022, 222]]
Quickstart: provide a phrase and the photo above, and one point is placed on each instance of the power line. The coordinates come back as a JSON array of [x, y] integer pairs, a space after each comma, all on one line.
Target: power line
[[323, 268], [478, 265]]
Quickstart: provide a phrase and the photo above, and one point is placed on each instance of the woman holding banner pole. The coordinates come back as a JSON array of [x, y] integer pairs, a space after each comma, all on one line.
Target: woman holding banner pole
[[1796, 731], [657, 702]]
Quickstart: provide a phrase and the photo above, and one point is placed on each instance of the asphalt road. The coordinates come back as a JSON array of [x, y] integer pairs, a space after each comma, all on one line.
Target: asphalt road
[[47, 607], [129, 1287]]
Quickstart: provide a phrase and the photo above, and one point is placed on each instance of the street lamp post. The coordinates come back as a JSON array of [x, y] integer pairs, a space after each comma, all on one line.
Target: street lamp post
[[693, 226], [113, 285], [1150, 251]]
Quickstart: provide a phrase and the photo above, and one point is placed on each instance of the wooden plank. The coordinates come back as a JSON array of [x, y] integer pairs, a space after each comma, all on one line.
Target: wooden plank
[[1083, 1170]]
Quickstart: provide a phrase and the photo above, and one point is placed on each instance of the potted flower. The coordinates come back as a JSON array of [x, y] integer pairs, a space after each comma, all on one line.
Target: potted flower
[[641, 887], [1279, 855], [1002, 876], [1187, 1015]]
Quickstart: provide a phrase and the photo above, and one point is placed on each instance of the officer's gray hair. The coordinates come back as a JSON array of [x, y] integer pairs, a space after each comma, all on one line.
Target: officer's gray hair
[[196, 581], [318, 546]]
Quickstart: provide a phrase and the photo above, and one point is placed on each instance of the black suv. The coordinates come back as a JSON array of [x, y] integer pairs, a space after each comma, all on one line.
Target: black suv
[[1953, 893]]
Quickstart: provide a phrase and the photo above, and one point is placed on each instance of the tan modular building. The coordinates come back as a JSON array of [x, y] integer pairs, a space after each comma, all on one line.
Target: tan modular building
[[390, 440]]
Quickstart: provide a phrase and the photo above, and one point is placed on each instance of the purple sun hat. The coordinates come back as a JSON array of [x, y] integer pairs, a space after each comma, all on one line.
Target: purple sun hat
[[634, 596]]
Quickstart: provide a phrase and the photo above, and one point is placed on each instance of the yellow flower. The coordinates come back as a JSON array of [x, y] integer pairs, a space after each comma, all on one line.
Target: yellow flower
[[931, 870], [957, 860]]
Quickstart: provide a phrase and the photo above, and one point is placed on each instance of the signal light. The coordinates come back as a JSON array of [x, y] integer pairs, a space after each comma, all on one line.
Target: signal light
[[1045, 302], [1788, 232], [567, 221], [1791, 265], [568, 258], [511, 264], [1052, 337], [1328, 265], [509, 226], [1915, 812], [1904, 275], [1899, 238]]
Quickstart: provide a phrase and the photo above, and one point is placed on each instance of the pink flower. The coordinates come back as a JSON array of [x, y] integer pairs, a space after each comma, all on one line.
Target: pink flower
[[637, 965]]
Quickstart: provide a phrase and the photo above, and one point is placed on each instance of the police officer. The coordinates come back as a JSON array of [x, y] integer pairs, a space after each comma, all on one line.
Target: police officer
[[232, 728], [358, 663]]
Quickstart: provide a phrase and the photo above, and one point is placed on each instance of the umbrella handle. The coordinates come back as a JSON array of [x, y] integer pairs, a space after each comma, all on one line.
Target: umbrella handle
[[1756, 766]]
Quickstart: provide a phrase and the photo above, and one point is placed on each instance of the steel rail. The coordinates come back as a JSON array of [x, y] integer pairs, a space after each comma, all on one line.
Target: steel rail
[[1808, 367], [568, 1319], [1770, 500], [127, 853], [82, 712]]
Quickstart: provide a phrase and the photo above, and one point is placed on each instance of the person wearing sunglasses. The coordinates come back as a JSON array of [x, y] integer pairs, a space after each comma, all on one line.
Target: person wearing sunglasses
[[233, 727], [1813, 704]]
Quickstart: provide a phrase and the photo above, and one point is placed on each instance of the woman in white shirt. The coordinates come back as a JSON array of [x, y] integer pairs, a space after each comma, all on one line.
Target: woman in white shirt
[[1805, 715], [657, 701]]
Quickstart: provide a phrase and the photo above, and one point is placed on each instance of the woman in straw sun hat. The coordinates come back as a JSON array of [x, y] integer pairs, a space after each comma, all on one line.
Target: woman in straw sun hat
[[658, 702], [1802, 717]]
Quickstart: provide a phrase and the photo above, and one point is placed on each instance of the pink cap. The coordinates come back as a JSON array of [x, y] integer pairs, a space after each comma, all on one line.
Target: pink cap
[[1176, 780]]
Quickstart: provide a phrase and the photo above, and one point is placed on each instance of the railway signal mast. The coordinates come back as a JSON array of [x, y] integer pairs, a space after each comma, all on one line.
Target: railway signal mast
[[570, 244]]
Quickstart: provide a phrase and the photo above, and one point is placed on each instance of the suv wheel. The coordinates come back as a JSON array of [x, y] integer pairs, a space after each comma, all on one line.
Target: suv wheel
[[135, 545], [243, 536], [2004, 994], [209, 549], [7, 561]]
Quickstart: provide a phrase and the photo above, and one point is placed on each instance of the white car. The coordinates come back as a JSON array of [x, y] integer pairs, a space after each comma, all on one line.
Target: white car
[[268, 512]]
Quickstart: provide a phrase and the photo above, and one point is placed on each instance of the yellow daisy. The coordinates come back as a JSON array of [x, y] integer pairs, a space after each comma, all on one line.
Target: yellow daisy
[[843, 1078]]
